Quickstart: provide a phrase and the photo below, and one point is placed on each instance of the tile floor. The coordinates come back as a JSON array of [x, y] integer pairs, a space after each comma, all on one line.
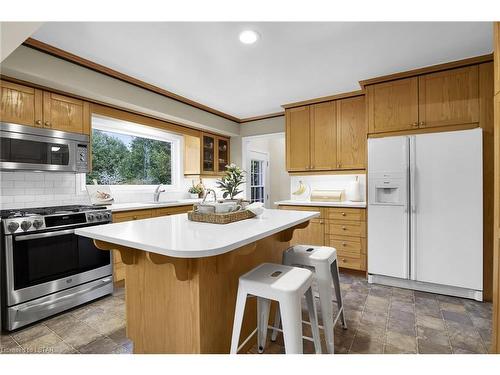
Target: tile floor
[[380, 320]]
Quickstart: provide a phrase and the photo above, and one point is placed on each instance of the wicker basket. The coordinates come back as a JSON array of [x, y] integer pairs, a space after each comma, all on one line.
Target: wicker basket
[[225, 218]]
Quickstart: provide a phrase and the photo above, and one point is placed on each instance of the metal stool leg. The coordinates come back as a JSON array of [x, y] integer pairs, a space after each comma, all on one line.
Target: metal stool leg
[[313, 318], [291, 316], [276, 324], [241, 301], [263, 307], [338, 292]]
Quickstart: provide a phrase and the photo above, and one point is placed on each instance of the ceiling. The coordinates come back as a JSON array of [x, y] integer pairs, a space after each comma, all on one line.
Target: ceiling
[[205, 62]]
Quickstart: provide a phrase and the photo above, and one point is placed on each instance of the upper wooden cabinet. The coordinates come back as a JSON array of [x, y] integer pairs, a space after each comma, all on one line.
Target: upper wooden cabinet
[[20, 104], [65, 113], [351, 133], [446, 98], [449, 98], [323, 136], [28, 106], [298, 147], [192, 155], [393, 105], [327, 136], [214, 154]]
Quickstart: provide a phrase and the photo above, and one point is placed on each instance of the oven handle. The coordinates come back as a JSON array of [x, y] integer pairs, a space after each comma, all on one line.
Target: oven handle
[[44, 235]]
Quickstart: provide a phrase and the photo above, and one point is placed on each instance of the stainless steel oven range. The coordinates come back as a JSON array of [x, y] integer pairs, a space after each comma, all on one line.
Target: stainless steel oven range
[[46, 268]]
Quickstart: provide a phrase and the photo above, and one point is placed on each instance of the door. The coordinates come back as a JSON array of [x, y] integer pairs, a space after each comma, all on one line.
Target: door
[[351, 130], [222, 154], [448, 209], [393, 106], [298, 150], [65, 114], [388, 225], [208, 154], [20, 104], [258, 177], [323, 136], [449, 98]]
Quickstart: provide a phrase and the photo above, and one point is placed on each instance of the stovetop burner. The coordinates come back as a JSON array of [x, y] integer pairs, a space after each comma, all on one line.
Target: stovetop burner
[[44, 211]]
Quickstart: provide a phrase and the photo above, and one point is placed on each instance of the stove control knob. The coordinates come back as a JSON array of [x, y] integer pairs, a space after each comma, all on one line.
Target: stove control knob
[[98, 216], [25, 225], [12, 226], [37, 223], [90, 217], [107, 216]]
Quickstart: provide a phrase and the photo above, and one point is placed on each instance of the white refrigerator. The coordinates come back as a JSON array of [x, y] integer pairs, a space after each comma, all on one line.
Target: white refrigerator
[[425, 212]]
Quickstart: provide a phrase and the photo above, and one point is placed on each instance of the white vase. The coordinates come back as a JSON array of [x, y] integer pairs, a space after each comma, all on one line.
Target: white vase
[[353, 193], [194, 196]]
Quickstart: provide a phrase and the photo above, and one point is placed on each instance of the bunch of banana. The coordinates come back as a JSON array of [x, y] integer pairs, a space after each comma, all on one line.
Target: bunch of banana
[[301, 190]]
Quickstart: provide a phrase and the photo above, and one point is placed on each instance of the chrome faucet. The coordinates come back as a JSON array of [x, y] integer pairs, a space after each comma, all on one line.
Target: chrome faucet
[[157, 193], [208, 191]]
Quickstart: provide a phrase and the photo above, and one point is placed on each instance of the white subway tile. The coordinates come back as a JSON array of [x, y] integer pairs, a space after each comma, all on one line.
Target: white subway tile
[[6, 199], [33, 191], [34, 176], [23, 184], [14, 176], [12, 191], [7, 183], [24, 198]]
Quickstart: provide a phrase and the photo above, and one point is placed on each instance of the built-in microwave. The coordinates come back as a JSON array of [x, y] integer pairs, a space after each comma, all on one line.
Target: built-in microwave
[[29, 148]]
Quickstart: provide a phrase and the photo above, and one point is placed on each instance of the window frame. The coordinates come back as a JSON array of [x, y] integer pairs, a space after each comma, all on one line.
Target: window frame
[[138, 130]]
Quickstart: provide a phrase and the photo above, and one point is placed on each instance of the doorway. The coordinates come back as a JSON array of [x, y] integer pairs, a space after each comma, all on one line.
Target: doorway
[[258, 177]]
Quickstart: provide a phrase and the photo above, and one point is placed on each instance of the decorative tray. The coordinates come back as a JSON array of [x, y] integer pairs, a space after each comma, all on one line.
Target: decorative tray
[[225, 218]]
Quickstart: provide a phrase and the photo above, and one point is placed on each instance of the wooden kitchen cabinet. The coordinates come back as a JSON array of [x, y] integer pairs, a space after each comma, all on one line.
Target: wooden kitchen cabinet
[[33, 107], [298, 148], [449, 98], [65, 113], [314, 233], [323, 136], [327, 136], [351, 133], [496, 58], [192, 155], [214, 154], [393, 105], [20, 104]]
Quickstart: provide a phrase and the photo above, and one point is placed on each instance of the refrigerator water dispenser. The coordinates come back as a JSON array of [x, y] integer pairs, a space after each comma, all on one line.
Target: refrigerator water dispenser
[[387, 194]]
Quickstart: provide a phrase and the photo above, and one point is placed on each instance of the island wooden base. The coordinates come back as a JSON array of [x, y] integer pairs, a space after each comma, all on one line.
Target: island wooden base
[[178, 305]]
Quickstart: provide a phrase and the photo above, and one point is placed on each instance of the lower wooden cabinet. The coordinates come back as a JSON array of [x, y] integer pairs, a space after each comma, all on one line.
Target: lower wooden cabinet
[[341, 228], [118, 217]]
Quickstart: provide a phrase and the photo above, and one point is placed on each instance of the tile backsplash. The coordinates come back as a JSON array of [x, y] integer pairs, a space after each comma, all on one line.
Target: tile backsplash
[[328, 182], [20, 189]]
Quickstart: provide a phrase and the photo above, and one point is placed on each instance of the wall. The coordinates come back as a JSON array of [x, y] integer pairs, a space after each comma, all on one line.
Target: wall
[[327, 182], [12, 34], [33, 66]]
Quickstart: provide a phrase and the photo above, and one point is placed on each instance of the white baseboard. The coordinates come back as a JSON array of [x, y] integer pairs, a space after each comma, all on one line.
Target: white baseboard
[[426, 287]]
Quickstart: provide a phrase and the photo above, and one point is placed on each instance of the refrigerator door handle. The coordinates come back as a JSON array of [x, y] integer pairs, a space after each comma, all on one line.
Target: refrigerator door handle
[[413, 207]]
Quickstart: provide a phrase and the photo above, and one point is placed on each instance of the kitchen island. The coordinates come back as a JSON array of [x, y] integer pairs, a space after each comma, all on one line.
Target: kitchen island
[[182, 276]]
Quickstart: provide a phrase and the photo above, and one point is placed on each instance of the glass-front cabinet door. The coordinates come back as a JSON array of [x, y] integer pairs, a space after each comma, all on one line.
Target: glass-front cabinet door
[[208, 154], [223, 154]]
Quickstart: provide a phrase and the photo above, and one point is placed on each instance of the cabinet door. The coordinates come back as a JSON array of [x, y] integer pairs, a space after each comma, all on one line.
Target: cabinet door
[[192, 155], [393, 106], [313, 234], [66, 114], [497, 56], [208, 154], [222, 154], [449, 98], [323, 136], [298, 139], [352, 132], [20, 104]]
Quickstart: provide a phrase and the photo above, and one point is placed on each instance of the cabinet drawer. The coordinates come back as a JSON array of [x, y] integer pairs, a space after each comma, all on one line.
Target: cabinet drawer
[[119, 217], [349, 214], [172, 210], [349, 244], [354, 229], [352, 261]]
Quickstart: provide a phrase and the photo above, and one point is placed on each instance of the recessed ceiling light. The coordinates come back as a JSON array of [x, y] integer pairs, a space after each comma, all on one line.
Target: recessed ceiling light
[[248, 37]]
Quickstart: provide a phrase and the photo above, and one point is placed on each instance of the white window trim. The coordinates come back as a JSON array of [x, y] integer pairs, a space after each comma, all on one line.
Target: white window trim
[[138, 130]]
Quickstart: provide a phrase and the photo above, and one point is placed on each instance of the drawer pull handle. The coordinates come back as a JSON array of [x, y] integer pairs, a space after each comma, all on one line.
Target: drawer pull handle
[[134, 218], [343, 213], [344, 228], [344, 244], [343, 260]]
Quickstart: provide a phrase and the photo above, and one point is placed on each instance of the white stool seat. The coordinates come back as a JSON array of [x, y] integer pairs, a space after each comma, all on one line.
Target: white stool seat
[[273, 280], [286, 285], [323, 260]]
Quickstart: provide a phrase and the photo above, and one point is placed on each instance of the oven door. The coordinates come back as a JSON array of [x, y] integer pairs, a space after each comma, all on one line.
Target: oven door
[[37, 149], [43, 263]]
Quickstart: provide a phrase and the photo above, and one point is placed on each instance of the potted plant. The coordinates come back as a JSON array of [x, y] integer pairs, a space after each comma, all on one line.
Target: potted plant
[[232, 179], [196, 191]]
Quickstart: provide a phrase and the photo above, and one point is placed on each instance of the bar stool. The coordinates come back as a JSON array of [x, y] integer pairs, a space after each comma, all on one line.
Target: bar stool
[[286, 285], [323, 260]]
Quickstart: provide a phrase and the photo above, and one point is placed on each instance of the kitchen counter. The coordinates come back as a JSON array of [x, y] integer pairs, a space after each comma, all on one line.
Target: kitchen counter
[[176, 236], [118, 207], [321, 204], [182, 276]]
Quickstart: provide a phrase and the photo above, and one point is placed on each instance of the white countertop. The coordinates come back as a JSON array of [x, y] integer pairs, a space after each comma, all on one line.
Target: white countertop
[[176, 236], [321, 204], [117, 207]]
